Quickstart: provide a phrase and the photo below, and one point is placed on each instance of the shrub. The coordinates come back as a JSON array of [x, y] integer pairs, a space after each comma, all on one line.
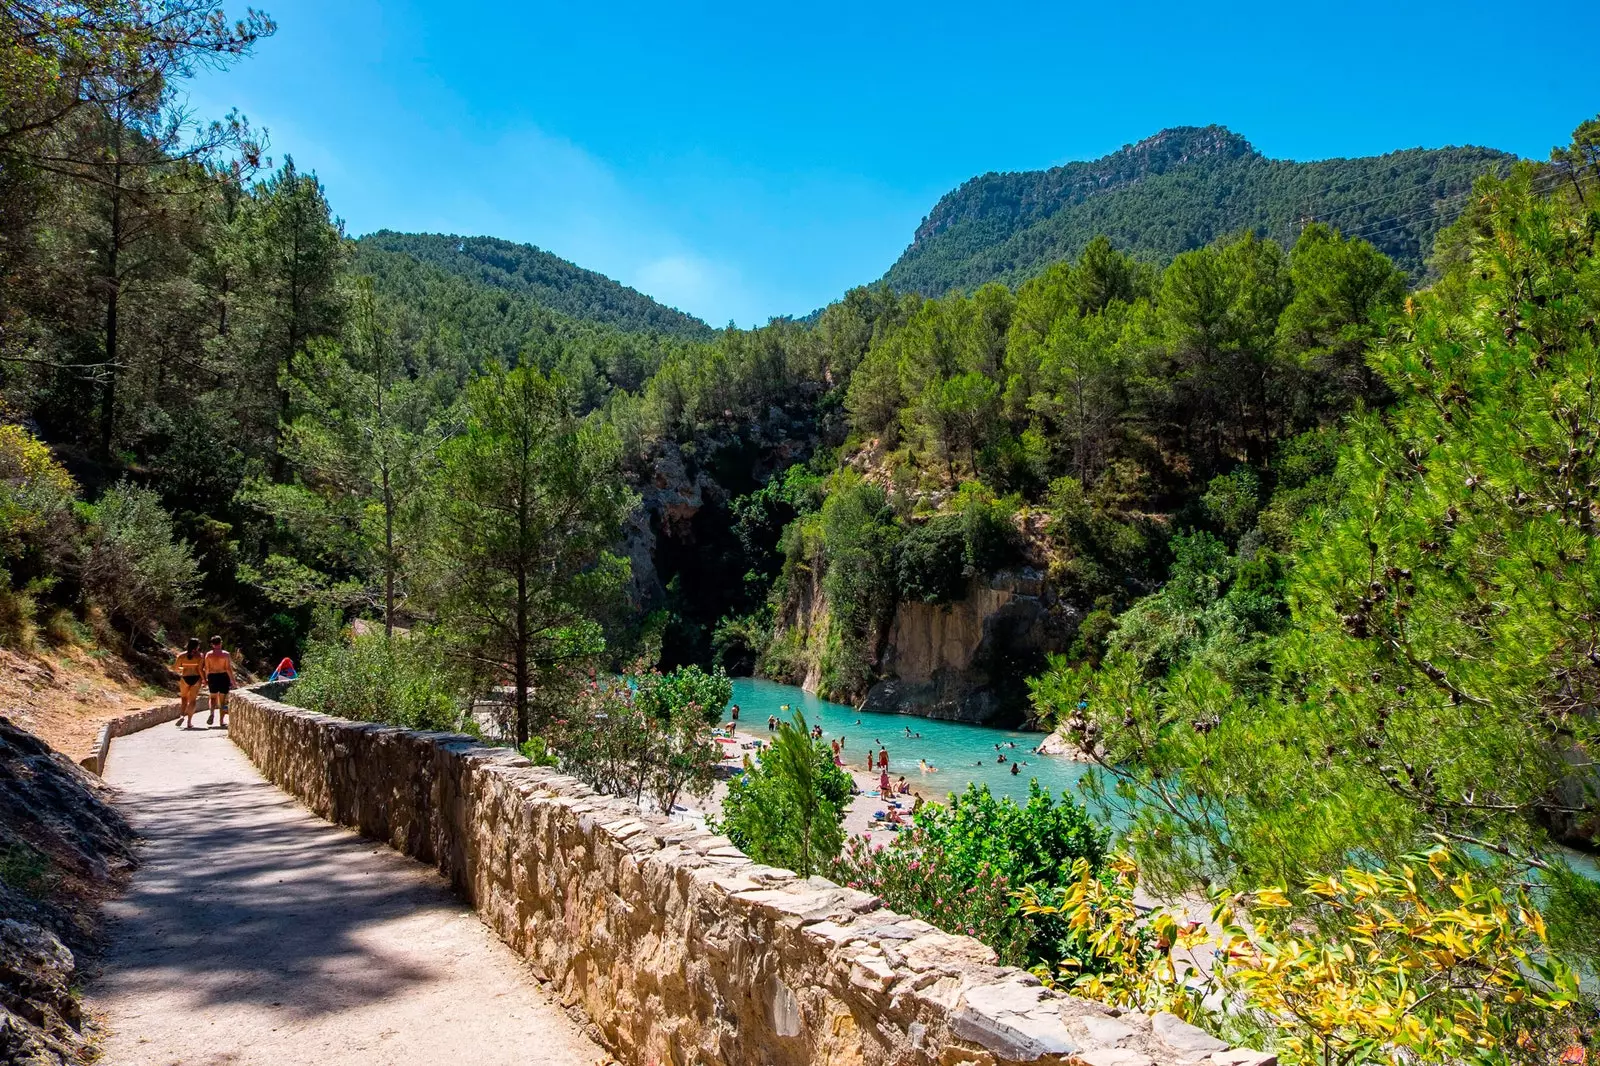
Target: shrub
[[929, 563], [1232, 501], [401, 680], [36, 497], [646, 734], [1422, 964], [135, 566], [963, 866], [788, 810]]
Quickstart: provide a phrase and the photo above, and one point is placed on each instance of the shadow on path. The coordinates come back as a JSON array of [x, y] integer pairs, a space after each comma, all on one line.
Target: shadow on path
[[253, 924]]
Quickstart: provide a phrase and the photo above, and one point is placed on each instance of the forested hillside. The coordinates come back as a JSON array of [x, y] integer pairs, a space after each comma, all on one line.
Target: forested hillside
[[521, 269], [1180, 190], [1306, 518]]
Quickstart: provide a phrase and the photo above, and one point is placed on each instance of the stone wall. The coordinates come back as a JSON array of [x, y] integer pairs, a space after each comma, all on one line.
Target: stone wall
[[160, 714], [677, 946]]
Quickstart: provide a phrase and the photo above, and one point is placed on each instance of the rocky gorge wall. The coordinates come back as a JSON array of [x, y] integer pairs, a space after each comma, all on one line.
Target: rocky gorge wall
[[968, 661], [678, 947]]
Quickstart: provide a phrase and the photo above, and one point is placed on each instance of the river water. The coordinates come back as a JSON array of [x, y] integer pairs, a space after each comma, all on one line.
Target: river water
[[963, 753]]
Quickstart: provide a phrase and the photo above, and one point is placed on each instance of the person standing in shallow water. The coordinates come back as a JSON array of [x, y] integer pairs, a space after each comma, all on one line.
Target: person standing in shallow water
[[190, 665], [219, 681]]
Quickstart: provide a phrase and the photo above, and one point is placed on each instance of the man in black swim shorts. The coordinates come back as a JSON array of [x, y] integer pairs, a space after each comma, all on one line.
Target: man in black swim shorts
[[219, 681]]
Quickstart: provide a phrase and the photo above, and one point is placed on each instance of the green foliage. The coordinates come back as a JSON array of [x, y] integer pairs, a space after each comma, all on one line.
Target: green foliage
[[963, 865], [36, 497], [788, 810], [929, 562], [542, 278], [687, 691], [134, 565], [538, 752], [858, 534], [527, 502], [1176, 191], [412, 681], [935, 561], [1232, 501], [645, 734], [1437, 675]]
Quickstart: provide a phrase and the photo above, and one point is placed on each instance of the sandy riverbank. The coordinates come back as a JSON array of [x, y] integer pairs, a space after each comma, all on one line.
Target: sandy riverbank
[[858, 819]]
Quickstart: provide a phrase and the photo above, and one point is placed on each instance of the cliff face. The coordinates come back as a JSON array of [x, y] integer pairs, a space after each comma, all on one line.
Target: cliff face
[[969, 661]]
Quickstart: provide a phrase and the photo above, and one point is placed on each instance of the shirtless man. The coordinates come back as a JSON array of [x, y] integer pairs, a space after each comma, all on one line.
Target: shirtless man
[[219, 680], [189, 666]]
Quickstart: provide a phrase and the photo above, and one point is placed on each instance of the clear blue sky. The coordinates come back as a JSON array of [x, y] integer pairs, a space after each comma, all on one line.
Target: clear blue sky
[[744, 161]]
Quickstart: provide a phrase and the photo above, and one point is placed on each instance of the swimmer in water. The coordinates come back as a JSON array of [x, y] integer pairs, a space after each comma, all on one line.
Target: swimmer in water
[[1015, 769]]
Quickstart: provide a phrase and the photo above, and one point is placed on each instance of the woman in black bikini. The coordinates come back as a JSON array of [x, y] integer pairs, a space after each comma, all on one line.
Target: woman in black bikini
[[189, 665], [219, 680]]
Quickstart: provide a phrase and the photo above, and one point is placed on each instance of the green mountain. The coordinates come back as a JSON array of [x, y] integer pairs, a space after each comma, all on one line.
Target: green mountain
[[1178, 190], [524, 270]]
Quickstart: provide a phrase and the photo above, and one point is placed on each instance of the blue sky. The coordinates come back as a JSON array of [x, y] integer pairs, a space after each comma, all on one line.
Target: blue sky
[[745, 161]]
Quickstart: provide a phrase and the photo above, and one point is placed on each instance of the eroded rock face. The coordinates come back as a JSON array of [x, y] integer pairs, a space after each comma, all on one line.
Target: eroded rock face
[[678, 946], [965, 661]]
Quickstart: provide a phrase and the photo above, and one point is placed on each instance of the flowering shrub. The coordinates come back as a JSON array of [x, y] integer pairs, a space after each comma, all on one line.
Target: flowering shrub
[[914, 877], [964, 866], [646, 734]]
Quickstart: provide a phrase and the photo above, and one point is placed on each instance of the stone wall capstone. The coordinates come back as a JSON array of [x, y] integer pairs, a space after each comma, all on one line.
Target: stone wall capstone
[[677, 946]]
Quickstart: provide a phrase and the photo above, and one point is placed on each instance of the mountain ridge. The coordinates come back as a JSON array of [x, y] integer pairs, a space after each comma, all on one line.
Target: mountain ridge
[[1180, 189], [554, 283]]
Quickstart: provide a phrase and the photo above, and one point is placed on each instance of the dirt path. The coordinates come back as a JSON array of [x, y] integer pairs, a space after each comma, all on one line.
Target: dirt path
[[256, 932]]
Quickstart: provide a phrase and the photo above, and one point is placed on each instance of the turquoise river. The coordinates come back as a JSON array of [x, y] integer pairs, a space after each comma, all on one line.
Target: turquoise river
[[962, 753]]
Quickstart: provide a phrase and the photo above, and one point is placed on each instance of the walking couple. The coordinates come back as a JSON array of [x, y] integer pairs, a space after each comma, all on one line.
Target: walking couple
[[215, 669]]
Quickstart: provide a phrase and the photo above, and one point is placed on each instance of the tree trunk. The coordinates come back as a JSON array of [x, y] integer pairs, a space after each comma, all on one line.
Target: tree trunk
[[108, 391], [522, 678], [388, 557]]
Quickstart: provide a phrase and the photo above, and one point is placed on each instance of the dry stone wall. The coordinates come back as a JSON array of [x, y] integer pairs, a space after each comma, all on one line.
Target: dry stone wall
[[678, 947]]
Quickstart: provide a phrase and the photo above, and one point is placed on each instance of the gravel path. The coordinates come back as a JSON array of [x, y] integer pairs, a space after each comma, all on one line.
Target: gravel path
[[255, 932]]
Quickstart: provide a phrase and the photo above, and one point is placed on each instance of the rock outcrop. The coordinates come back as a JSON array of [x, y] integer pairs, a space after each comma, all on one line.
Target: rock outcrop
[[967, 661], [678, 946], [63, 847]]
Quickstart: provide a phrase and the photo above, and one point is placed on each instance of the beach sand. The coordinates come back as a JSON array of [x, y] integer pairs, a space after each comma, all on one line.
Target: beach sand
[[858, 819]]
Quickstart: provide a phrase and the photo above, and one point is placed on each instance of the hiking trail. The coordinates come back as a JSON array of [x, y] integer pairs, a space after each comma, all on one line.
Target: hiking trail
[[255, 932]]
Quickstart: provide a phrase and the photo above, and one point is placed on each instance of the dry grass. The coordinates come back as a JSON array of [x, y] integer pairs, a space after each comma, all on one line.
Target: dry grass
[[63, 694]]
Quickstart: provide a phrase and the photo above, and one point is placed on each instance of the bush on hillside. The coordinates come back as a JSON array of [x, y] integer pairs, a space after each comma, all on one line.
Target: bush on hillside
[[134, 566]]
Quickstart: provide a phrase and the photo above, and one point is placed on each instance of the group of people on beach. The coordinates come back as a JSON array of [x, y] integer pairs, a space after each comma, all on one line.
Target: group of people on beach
[[213, 669]]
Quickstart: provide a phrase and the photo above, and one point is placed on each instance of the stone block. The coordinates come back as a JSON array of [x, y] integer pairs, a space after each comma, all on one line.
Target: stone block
[[1107, 1031], [1182, 1037], [1014, 1020], [1113, 1056]]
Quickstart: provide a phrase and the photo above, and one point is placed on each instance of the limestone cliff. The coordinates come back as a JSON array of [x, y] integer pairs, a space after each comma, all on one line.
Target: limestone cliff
[[969, 661]]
